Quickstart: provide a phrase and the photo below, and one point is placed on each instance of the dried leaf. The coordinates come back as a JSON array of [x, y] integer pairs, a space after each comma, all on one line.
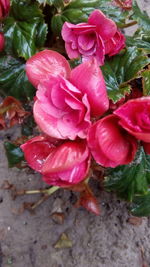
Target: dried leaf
[[135, 221], [58, 217], [63, 242]]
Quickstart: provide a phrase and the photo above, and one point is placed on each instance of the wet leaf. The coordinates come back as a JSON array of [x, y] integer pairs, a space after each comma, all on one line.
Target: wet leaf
[[130, 180], [14, 154], [13, 79], [121, 69], [141, 205], [63, 242], [146, 82]]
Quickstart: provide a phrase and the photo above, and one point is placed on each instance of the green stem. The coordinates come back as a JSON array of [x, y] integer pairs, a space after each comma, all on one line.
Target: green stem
[[48, 191], [132, 23]]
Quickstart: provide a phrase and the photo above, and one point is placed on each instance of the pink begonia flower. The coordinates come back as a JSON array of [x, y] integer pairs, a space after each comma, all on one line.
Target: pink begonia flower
[[60, 164], [63, 106], [92, 39], [2, 41], [4, 8], [61, 111], [44, 63], [110, 144], [134, 116]]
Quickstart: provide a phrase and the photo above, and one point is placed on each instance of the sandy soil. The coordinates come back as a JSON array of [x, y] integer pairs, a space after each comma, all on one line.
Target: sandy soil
[[28, 240]]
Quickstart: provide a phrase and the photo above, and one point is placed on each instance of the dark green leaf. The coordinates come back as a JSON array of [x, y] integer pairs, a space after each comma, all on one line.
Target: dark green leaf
[[141, 205], [141, 17], [42, 30], [75, 62], [13, 80], [78, 11], [121, 69], [139, 42], [146, 82], [14, 154], [130, 180], [21, 29]]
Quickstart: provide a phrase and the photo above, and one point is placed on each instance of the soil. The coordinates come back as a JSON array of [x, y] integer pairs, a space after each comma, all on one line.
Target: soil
[[113, 239]]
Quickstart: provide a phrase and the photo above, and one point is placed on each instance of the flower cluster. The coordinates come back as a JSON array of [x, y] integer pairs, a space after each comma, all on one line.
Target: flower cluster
[[72, 108], [94, 39]]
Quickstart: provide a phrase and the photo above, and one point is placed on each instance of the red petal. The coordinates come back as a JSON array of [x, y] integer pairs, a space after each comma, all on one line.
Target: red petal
[[36, 151], [44, 63], [65, 157]]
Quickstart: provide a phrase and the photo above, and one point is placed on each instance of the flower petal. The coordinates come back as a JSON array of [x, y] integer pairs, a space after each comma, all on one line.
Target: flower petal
[[105, 27], [65, 157], [88, 78], [36, 151], [110, 145], [44, 63]]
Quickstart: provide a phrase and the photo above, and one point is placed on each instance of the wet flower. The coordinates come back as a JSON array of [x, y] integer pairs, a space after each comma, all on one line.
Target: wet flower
[[134, 117], [110, 144], [61, 164], [94, 39]]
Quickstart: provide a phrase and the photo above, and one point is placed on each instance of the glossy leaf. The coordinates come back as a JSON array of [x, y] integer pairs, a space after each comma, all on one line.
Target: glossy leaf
[[24, 28], [141, 205], [121, 69], [141, 17], [146, 82], [13, 80], [14, 154], [130, 180], [78, 11], [44, 2], [140, 40]]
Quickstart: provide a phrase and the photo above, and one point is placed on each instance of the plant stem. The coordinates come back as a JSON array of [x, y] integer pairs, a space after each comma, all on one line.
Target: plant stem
[[134, 22], [48, 191]]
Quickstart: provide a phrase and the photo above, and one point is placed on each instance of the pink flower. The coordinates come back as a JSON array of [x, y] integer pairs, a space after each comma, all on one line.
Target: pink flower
[[61, 111], [134, 116], [2, 41], [44, 63], [92, 39], [4, 8], [60, 164], [110, 144], [63, 106]]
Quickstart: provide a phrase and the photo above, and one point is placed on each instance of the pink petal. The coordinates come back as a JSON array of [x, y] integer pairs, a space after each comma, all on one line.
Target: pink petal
[[110, 145], [45, 63], [135, 117], [2, 41], [88, 78], [46, 122], [65, 157], [105, 27], [36, 151]]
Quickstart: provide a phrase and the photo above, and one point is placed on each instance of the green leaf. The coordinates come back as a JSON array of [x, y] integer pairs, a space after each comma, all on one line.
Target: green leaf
[[139, 42], [146, 82], [78, 11], [141, 205], [42, 30], [21, 29], [121, 69], [130, 180], [141, 17], [13, 80], [14, 154], [44, 2]]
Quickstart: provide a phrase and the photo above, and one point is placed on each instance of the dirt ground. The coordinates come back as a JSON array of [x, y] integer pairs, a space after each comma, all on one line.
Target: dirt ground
[[26, 240]]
